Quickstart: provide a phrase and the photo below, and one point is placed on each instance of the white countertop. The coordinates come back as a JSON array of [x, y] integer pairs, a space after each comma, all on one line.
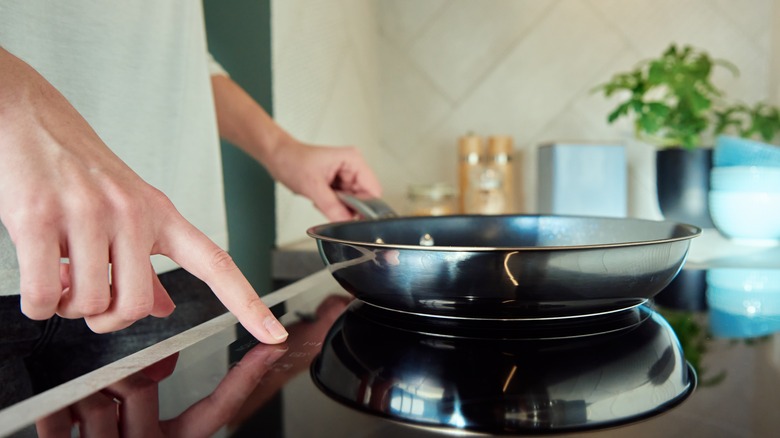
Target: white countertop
[[712, 250]]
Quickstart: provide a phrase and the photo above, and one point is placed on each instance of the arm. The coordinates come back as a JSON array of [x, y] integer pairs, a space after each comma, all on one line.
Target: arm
[[312, 171], [63, 193]]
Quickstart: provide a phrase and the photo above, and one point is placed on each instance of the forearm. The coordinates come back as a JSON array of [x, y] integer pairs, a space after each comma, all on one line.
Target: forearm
[[315, 172], [243, 122]]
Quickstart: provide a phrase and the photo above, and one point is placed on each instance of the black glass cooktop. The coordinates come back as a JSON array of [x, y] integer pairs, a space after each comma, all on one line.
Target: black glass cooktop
[[352, 370]]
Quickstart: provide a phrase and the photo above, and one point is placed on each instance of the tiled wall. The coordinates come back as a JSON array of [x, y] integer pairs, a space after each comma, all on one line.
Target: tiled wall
[[403, 79], [325, 88]]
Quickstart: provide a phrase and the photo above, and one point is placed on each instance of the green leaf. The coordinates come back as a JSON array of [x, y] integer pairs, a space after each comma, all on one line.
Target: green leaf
[[699, 102], [620, 111], [659, 109], [656, 73]]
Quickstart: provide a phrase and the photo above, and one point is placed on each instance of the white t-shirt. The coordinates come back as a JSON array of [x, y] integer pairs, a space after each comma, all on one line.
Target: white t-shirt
[[139, 72]]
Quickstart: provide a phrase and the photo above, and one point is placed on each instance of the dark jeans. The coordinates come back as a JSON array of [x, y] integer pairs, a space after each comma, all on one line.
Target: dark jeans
[[38, 355]]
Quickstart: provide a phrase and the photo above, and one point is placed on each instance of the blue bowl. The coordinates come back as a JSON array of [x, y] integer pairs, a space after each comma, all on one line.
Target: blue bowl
[[745, 179], [735, 151], [747, 303], [752, 217], [733, 326], [743, 302], [744, 279]]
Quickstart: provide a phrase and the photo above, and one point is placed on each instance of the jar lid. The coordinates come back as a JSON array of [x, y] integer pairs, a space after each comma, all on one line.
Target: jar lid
[[470, 144], [434, 191], [499, 145]]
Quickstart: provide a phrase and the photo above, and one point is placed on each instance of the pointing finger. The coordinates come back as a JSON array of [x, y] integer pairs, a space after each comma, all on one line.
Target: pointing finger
[[200, 256]]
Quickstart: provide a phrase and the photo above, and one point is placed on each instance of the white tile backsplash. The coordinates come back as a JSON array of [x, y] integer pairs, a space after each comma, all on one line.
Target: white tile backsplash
[[403, 79], [402, 21], [409, 106], [467, 39], [306, 66], [325, 87], [727, 33]]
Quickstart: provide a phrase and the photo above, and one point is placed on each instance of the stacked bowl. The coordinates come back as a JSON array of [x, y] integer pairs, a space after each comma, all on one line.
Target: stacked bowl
[[744, 196], [743, 302]]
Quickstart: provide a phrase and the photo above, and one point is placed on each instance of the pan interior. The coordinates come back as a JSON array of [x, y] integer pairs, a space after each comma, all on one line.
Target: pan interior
[[513, 231]]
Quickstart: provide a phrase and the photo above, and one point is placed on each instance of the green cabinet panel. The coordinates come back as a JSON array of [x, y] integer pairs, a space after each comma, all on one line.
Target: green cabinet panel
[[239, 37]]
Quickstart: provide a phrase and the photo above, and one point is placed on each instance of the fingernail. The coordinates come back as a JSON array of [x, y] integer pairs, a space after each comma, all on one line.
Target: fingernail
[[275, 328]]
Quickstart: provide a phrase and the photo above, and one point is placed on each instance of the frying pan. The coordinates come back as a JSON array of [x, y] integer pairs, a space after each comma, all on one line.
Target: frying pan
[[503, 266]]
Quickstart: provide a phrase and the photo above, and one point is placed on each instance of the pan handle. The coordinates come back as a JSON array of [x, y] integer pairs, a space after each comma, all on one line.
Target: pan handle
[[372, 208]]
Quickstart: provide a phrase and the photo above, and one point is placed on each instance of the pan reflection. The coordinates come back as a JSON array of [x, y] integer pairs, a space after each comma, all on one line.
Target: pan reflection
[[557, 376]]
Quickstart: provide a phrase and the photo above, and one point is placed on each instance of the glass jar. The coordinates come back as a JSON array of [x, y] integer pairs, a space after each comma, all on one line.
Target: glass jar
[[437, 199]]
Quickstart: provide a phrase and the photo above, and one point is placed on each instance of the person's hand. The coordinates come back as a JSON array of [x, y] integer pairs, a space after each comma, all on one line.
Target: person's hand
[[317, 172], [64, 194], [129, 408]]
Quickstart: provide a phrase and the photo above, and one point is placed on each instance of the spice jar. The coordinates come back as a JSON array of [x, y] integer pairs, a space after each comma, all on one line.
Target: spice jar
[[470, 151], [499, 157], [485, 194], [437, 199], [490, 182]]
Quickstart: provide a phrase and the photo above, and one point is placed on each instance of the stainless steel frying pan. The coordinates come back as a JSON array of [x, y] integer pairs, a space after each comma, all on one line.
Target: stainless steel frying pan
[[503, 267]]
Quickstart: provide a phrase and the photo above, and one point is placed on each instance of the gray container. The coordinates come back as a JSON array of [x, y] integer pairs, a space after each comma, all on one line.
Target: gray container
[[582, 179]]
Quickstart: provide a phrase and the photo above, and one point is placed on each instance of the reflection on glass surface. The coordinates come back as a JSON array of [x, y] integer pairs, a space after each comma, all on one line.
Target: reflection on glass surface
[[36, 356], [211, 403], [572, 374], [703, 306], [744, 303], [130, 407], [504, 380]]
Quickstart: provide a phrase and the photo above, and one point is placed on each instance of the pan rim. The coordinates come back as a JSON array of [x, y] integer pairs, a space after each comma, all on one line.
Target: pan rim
[[694, 231]]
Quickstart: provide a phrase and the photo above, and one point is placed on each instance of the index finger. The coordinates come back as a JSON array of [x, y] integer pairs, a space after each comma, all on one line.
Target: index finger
[[197, 254]]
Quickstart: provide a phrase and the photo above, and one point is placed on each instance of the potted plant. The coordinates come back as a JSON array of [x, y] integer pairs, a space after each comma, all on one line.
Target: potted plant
[[760, 122], [672, 100]]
